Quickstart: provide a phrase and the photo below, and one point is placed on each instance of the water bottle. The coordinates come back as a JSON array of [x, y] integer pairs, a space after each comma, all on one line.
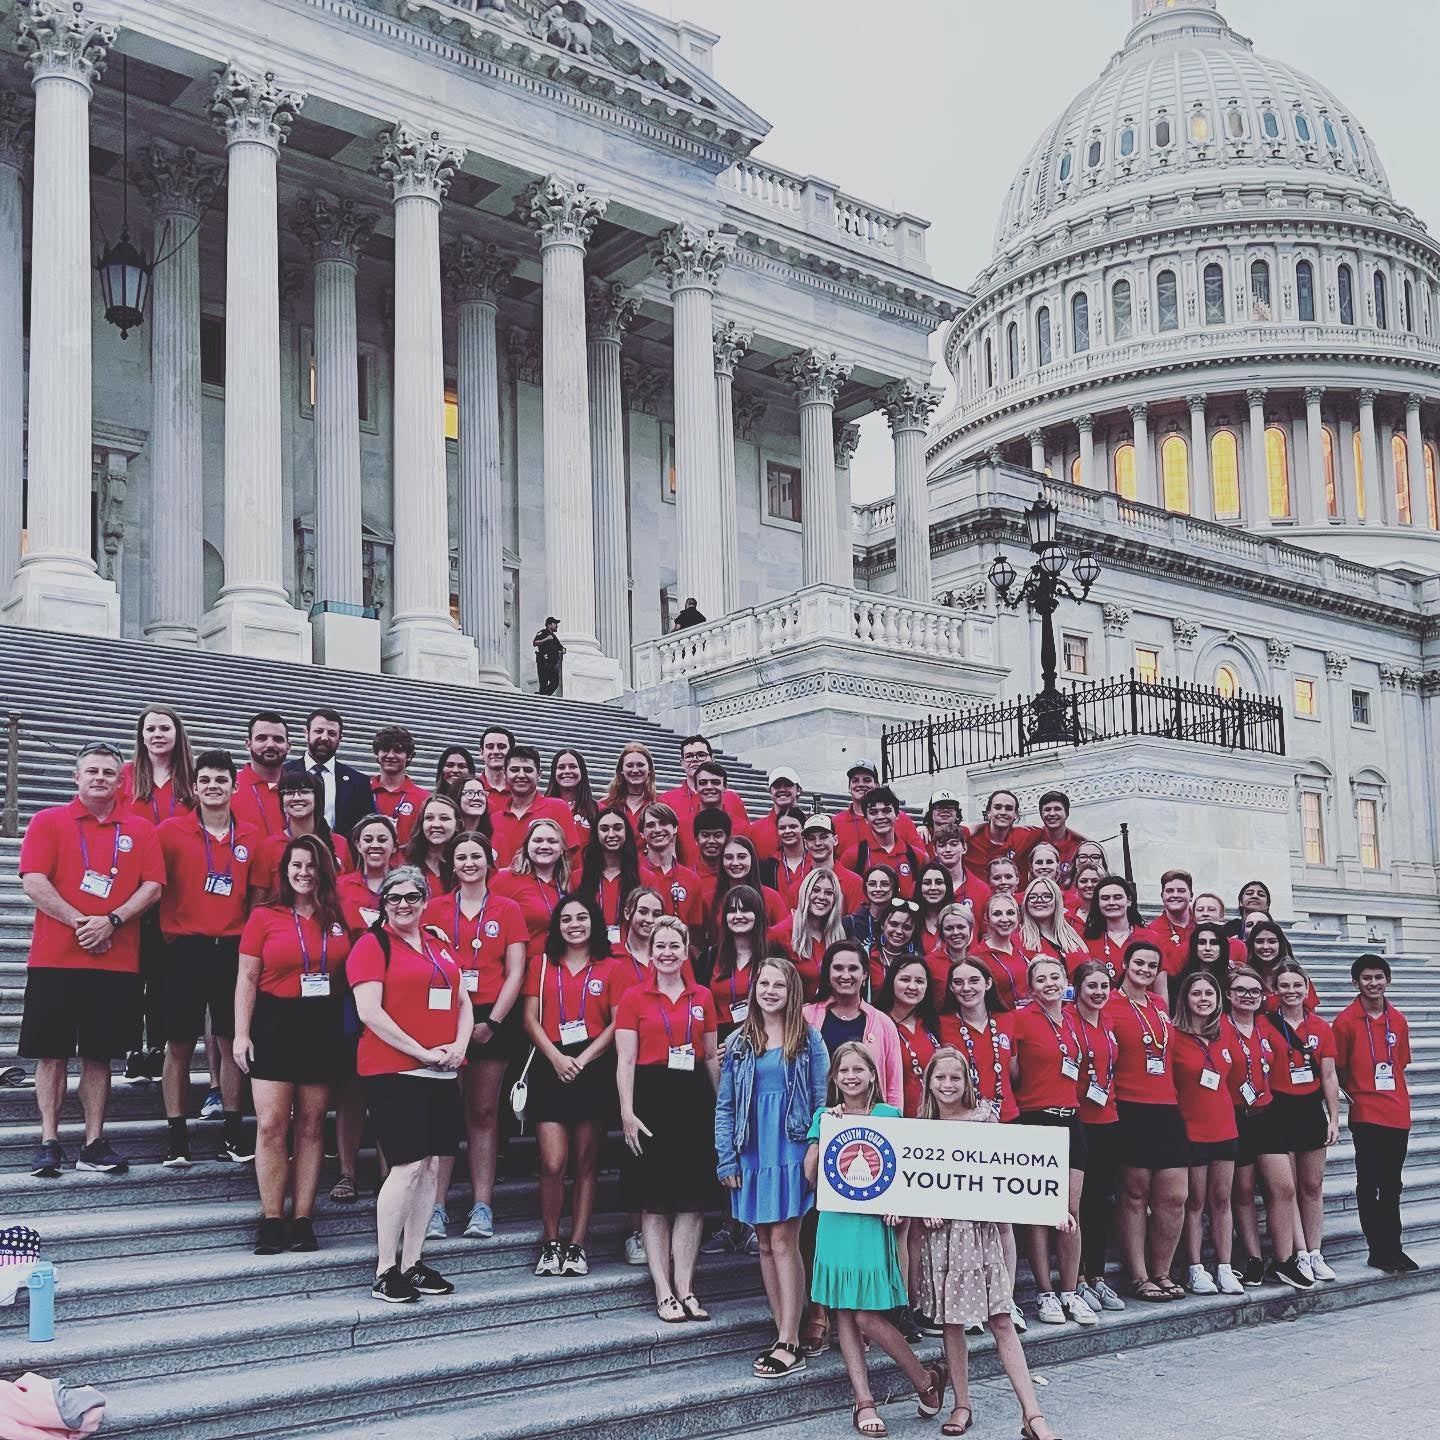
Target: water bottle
[[42, 1301]]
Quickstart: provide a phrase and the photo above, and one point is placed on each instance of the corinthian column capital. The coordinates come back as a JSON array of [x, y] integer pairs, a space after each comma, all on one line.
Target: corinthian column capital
[[253, 108], [910, 404], [847, 442], [417, 163], [57, 39], [732, 341], [817, 376], [692, 257], [478, 271], [561, 212], [333, 229], [17, 124], [609, 311], [176, 181]]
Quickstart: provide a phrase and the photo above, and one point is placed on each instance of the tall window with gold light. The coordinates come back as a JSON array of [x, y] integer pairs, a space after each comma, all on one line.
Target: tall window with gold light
[[1312, 827], [1358, 450], [1225, 474], [1327, 452], [1125, 471], [1400, 463], [1277, 472], [1432, 501], [1175, 473], [1227, 682], [1367, 824]]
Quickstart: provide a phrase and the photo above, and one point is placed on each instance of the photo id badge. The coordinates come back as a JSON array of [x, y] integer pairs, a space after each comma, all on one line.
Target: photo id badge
[[612, 933], [223, 885], [572, 1032], [96, 884], [682, 1057], [1384, 1076], [440, 997], [314, 987], [1209, 1079], [1154, 1064], [1301, 1074], [470, 979], [1248, 1093], [1069, 1068], [739, 1012], [1097, 1094]]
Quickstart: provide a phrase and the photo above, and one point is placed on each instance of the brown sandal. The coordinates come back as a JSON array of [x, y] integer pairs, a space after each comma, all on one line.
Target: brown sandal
[[939, 1377], [867, 1427], [1027, 1429], [342, 1192], [815, 1340], [951, 1428]]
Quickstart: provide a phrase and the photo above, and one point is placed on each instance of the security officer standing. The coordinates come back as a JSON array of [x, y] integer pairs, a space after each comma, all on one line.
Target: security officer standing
[[549, 654]]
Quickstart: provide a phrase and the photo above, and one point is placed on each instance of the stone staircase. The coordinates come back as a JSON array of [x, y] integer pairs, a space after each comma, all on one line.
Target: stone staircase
[[156, 1276]]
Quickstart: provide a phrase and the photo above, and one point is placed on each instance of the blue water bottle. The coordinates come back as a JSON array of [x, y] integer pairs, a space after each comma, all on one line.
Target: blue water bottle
[[42, 1301]]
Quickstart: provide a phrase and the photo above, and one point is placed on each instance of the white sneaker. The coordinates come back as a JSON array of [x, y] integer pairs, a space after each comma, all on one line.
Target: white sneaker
[[1200, 1282], [635, 1250], [1108, 1296], [1078, 1308], [1230, 1280], [1051, 1312], [1318, 1268], [1302, 1261], [1018, 1318]]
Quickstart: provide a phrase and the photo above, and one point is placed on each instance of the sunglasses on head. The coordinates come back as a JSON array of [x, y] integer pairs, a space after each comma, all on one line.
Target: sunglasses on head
[[907, 907]]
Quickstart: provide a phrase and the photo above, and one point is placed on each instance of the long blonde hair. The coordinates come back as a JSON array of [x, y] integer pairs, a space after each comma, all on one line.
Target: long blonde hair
[[521, 864], [969, 1095], [752, 1032], [842, 1052], [802, 932], [1062, 933]]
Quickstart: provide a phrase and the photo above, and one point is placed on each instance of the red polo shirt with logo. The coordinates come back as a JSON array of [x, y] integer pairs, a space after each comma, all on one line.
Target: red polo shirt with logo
[[191, 854], [401, 804], [659, 1022]]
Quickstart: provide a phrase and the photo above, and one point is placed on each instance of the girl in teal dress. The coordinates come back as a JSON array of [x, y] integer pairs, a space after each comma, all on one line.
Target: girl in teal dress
[[857, 1270]]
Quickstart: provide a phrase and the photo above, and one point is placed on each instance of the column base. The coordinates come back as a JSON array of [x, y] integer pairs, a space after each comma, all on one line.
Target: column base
[[179, 637], [345, 639], [261, 628], [590, 674], [496, 679], [430, 650], [62, 595]]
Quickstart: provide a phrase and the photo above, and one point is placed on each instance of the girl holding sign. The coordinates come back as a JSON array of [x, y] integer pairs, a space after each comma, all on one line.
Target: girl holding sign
[[857, 1263], [965, 1280]]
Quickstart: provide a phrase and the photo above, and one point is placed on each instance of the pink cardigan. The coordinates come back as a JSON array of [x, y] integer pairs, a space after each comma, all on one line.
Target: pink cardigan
[[881, 1039]]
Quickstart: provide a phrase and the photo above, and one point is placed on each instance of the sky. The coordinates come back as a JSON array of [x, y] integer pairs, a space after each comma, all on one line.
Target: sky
[[931, 105]]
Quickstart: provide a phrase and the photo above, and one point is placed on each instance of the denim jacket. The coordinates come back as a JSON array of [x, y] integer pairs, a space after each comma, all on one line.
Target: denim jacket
[[805, 1078]]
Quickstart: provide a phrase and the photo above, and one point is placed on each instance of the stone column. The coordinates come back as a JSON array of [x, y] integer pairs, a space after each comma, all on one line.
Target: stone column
[[1037, 450], [817, 376], [847, 441], [909, 405], [1369, 482], [336, 232], [1202, 497], [253, 615], [731, 342], [480, 274], [1314, 509], [180, 185], [609, 313], [15, 132], [57, 586], [1085, 424], [691, 259], [422, 640], [1256, 508], [1415, 452], [563, 214], [1144, 463]]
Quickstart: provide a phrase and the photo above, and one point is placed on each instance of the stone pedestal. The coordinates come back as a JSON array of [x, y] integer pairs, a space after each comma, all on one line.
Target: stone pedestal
[[345, 637]]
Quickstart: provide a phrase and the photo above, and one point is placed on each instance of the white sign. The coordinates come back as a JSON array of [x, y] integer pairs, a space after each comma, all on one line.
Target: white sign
[[945, 1169]]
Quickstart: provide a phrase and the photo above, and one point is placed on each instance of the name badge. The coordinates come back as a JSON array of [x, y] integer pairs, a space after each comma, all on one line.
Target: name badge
[[219, 884], [1069, 1068], [470, 979], [1248, 1093], [314, 987], [94, 883], [440, 997], [682, 1057], [1097, 1094], [369, 916], [612, 933], [1301, 1075], [572, 1032], [739, 1012], [1154, 1064], [1384, 1076], [1209, 1079]]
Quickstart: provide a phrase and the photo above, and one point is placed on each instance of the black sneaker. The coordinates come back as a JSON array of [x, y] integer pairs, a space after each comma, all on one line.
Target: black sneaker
[[394, 1286], [928, 1326], [426, 1281], [154, 1064], [1254, 1273], [236, 1149], [47, 1161], [177, 1153], [1288, 1272], [904, 1322], [270, 1239], [136, 1067], [576, 1262], [302, 1234], [1404, 1265], [98, 1155], [1387, 1263], [552, 1256]]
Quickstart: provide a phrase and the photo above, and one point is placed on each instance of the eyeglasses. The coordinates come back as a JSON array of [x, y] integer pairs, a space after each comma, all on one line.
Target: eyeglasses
[[1245, 993], [405, 897]]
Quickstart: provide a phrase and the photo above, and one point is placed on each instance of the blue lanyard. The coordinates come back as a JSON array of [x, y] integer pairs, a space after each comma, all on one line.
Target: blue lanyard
[[479, 921], [305, 949], [85, 849], [560, 973], [1205, 1048], [1370, 1038], [438, 970], [665, 1019], [229, 872], [1061, 1031]]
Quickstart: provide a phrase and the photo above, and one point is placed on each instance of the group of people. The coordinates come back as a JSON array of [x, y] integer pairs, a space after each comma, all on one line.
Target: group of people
[[709, 985]]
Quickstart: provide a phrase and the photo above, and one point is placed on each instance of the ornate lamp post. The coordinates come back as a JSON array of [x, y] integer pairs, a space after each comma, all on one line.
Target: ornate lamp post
[[1043, 587]]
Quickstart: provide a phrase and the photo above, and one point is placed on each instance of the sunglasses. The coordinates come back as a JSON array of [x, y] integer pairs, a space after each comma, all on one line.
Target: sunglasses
[[405, 897], [101, 747], [907, 907]]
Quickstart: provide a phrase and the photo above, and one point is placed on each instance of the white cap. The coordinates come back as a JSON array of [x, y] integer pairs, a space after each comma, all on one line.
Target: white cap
[[944, 797], [818, 822], [783, 772], [869, 766]]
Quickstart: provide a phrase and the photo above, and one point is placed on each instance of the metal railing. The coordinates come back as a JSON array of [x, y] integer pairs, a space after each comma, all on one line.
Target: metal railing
[[1088, 713]]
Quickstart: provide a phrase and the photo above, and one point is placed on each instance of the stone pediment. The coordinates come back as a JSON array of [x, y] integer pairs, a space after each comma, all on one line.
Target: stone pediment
[[598, 46]]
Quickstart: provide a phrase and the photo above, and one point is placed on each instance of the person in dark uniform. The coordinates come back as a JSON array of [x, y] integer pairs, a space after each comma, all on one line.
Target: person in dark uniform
[[690, 615], [549, 655]]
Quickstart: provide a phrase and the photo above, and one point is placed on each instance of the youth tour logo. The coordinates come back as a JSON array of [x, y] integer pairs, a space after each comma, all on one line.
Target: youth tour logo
[[860, 1163]]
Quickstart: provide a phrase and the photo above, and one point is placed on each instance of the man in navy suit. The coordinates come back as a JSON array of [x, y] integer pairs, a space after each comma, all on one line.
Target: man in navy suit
[[348, 799]]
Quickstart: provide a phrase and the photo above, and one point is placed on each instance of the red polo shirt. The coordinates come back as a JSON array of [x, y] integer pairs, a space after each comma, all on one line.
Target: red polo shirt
[[408, 981], [508, 830], [1100, 1050], [778, 938], [536, 899], [916, 1048], [683, 892], [402, 804], [1135, 1025], [1068, 843], [659, 1022], [257, 802], [1363, 1041], [57, 842], [687, 805], [162, 804], [359, 902], [191, 855], [851, 828], [1104, 949], [731, 991], [1040, 1047], [982, 847], [988, 1049], [480, 940], [904, 857], [1254, 1061], [1209, 1115], [266, 870], [788, 882], [1174, 942], [590, 994], [1315, 1040], [284, 950]]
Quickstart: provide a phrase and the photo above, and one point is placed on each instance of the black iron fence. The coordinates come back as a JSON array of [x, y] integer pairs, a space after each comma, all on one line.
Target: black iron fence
[[1083, 715]]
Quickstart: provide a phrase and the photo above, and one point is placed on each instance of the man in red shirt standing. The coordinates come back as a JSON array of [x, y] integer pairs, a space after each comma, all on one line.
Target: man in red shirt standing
[[257, 801], [862, 777], [1000, 837], [1172, 927], [1372, 1049], [521, 802], [208, 859], [784, 792], [700, 791], [90, 873], [1054, 808], [880, 842], [396, 794], [661, 869]]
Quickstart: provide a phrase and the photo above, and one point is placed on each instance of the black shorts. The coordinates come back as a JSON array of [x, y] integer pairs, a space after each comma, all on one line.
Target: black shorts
[[198, 974], [297, 1042], [1297, 1122], [1071, 1123], [1205, 1152], [1257, 1135], [413, 1116], [94, 1014], [503, 1043], [1152, 1137]]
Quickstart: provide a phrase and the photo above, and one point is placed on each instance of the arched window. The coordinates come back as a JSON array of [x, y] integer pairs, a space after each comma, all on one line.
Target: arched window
[[1303, 132], [1277, 472], [1227, 682], [1332, 493], [1093, 153], [1012, 348], [1235, 123], [1079, 322], [1354, 147], [1225, 474], [1432, 500], [1345, 283], [1260, 290], [1125, 470], [1214, 295], [1305, 290], [1043, 351], [1120, 311], [1175, 474], [1167, 300], [1199, 127], [1382, 320], [1400, 461], [1067, 161], [1332, 137], [1358, 451], [1163, 134], [1076, 477], [1409, 316], [1270, 124], [1127, 141], [989, 365]]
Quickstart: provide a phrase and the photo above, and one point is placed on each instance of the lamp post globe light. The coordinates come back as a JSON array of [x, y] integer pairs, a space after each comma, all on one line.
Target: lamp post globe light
[[1043, 587]]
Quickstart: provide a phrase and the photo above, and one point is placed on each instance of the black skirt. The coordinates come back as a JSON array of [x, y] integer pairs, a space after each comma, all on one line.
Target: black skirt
[[413, 1116], [675, 1170], [298, 1042], [1297, 1122], [589, 1099], [1071, 1123], [1152, 1137]]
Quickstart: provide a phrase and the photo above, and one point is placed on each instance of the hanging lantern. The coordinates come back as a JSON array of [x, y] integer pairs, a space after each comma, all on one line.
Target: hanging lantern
[[125, 284]]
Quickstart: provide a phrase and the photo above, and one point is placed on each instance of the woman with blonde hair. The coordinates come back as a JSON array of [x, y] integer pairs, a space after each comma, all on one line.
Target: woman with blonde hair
[[818, 922], [538, 876], [1044, 930], [633, 787], [772, 1080], [1043, 862]]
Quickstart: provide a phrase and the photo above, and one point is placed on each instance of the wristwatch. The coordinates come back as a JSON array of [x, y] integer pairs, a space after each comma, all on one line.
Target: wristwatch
[[114, 918]]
